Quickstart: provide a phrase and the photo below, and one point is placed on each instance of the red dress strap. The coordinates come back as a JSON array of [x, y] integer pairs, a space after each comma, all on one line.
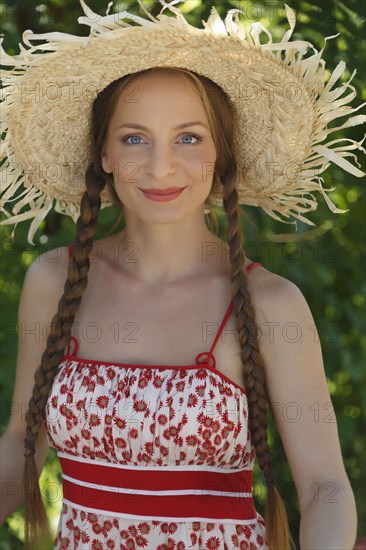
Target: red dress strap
[[70, 250], [75, 347], [253, 264], [209, 355]]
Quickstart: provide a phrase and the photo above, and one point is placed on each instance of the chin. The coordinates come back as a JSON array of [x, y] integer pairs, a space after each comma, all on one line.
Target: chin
[[161, 217]]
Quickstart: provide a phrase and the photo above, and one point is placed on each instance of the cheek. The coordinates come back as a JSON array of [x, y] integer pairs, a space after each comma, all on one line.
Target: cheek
[[127, 172], [125, 167], [203, 165]]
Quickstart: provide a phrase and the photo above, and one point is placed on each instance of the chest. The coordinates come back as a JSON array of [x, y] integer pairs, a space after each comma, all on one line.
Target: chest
[[164, 327]]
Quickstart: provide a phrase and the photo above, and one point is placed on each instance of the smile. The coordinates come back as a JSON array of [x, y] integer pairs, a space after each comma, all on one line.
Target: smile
[[163, 195]]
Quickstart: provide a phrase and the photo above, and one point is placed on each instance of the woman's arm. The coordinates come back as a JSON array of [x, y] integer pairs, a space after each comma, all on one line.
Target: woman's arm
[[42, 289], [304, 416]]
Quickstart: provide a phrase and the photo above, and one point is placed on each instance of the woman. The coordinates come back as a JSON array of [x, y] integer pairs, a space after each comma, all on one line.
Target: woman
[[156, 450]]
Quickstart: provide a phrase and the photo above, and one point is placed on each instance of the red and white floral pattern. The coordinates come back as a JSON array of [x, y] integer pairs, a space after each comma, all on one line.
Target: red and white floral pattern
[[156, 416]]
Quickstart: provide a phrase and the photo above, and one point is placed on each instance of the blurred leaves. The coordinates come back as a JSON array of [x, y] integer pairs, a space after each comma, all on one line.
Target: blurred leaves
[[327, 262]]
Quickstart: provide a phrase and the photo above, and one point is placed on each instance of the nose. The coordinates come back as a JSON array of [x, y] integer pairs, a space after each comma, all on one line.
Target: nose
[[161, 161]]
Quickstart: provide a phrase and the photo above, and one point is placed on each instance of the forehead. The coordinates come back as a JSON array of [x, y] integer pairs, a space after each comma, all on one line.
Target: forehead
[[161, 88]]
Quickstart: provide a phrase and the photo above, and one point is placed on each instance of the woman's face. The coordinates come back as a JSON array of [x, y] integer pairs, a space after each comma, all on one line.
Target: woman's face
[[158, 138]]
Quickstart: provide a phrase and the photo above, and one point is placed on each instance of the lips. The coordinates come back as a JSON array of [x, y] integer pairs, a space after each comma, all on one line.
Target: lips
[[163, 195], [165, 191]]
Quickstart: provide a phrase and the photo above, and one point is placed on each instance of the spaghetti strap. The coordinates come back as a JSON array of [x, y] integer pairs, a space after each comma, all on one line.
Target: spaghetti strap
[[253, 264], [209, 356], [222, 326], [75, 347], [70, 251]]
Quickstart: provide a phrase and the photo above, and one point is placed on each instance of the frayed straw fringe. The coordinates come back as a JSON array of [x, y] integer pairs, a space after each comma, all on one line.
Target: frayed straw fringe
[[282, 198]]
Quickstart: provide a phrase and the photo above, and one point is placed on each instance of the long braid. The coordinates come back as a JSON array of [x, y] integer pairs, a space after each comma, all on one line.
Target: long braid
[[277, 530], [36, 523]]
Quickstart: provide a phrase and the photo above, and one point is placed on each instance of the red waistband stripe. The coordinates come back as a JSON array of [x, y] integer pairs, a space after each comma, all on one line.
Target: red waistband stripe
[[156, 493]]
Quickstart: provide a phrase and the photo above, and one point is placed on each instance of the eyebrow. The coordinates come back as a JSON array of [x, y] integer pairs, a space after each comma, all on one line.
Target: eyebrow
[[179, 127]]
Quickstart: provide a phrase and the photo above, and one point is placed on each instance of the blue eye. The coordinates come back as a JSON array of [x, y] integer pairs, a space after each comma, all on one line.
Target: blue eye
[[197, 138], [133, 138]]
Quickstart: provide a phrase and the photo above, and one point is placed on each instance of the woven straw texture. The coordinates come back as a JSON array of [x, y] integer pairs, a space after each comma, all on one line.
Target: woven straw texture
[[282, 105]]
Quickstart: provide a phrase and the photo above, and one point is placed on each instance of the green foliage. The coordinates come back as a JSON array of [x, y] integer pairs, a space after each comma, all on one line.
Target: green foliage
[[326, 263]]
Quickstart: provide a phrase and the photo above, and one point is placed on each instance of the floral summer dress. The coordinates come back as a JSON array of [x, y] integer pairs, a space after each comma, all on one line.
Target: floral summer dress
[[153, 457]]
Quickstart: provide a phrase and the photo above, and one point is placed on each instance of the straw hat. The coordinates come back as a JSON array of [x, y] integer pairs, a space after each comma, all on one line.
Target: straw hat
[[282, 107]]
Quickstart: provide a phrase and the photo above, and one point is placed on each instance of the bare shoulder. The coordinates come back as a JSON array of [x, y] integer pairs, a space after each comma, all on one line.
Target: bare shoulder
[[276, 298], [48, 272], [50, 262]]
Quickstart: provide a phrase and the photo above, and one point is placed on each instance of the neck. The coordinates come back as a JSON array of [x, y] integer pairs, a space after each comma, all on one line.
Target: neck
[[155, 253]]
